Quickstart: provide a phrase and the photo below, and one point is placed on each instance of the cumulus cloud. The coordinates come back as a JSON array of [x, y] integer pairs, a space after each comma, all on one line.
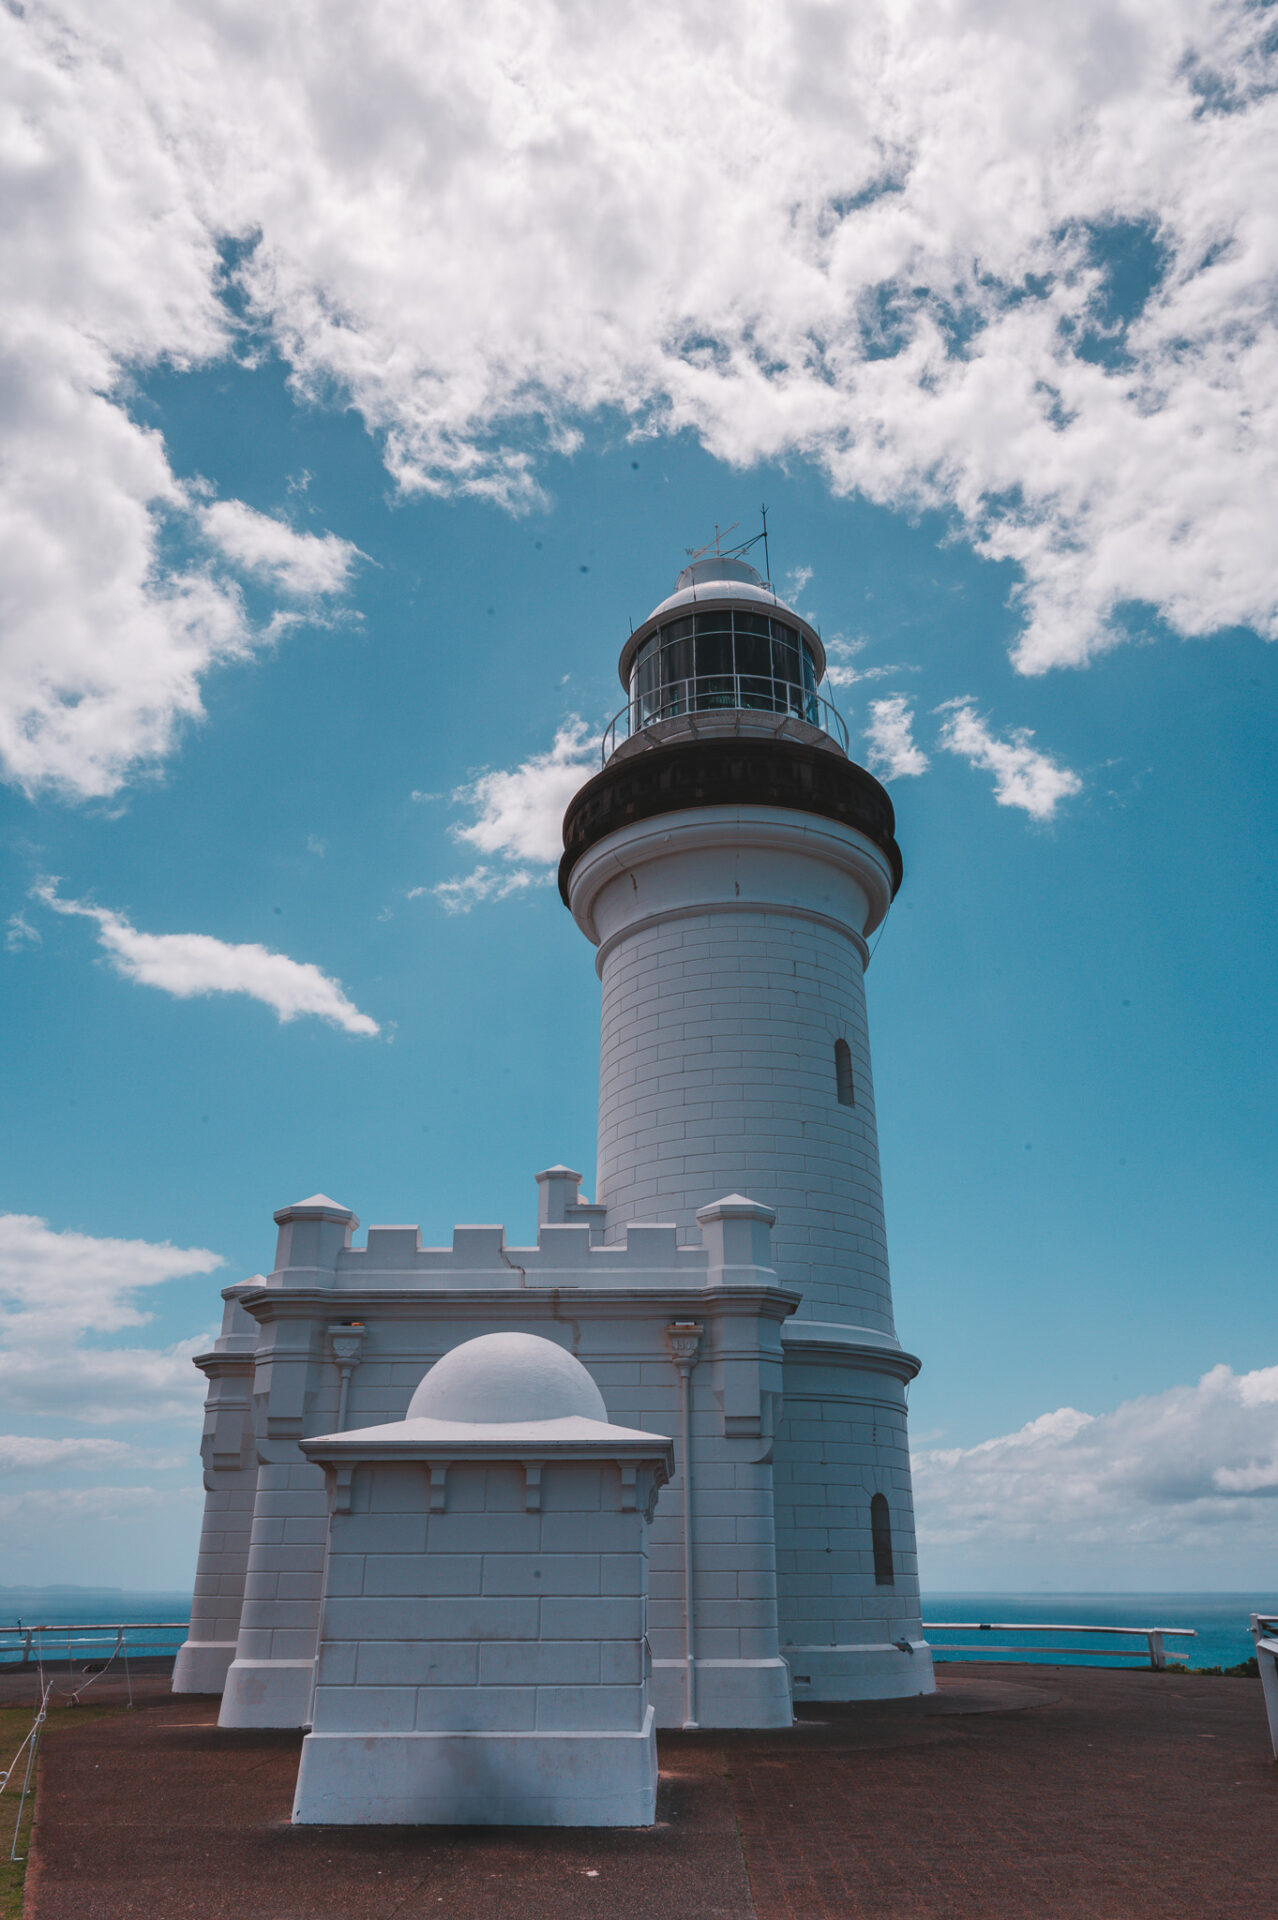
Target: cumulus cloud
[[1023, 776], [485, 883], [1015, 267], [300, 564], [1193, 1468], [91, 1503], [109, 262], [191, 964], [22, 1452], [519, 816], [520, 812], [893, 750], [59, 1290]]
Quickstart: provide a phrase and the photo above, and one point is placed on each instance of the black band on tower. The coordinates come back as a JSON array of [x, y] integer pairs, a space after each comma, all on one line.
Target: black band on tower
[[732, 773]]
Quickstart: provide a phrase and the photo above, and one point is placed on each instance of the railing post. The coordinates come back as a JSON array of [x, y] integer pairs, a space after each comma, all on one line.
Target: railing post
[[1157, 1656]]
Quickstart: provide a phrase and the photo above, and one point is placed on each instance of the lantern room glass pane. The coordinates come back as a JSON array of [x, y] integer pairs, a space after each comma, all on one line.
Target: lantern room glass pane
[[754, 654], [724, 657]]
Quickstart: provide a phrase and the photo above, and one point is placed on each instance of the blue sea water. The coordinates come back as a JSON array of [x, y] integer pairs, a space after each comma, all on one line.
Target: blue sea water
[[1218, 1619], [88, 1606]]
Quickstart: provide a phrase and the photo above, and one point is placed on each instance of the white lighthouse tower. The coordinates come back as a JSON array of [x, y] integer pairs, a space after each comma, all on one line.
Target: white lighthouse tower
[[730, 862], [726, 1292]]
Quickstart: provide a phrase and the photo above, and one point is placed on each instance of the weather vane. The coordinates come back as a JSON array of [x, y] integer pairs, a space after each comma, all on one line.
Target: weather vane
[[733, 553]]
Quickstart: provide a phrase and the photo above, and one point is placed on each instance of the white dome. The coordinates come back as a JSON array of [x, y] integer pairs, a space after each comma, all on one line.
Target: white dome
[[502, 1378]]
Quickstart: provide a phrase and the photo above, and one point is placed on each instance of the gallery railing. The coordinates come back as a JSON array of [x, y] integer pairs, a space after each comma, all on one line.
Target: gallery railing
[[724, 694]]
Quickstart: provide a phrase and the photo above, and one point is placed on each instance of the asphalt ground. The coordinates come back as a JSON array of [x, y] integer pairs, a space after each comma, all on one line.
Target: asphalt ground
[[1036, 1792]]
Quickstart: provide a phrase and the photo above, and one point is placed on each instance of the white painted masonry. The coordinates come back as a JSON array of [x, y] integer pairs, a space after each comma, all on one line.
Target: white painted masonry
[[731, 912], [230, 1482], [611, 1305], [482, 1653]]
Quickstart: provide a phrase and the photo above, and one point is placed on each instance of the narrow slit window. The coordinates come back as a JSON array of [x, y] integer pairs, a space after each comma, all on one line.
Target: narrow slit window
[[881, 1540], [843, 1073]]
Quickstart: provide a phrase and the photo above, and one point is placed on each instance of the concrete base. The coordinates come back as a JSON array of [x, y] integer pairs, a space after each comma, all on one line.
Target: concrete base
[[479, 1779], [729, 1693], [267, 1693], [201, 1665], [878, 1670]]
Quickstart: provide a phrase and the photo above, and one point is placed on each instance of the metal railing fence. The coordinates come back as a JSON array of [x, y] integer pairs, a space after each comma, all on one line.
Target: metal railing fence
[[53, 1641], [1154, 1637], [722, 694]]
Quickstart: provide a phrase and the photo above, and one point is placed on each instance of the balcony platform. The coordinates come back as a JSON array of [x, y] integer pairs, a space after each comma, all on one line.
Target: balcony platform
[[1056, 1793]]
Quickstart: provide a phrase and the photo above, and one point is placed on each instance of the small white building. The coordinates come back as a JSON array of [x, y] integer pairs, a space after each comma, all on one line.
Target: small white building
[[482, 1657], [728, 1286]]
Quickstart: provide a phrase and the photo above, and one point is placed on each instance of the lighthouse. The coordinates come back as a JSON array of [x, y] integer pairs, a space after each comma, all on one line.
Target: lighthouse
[[726, 1292], [730, 863]]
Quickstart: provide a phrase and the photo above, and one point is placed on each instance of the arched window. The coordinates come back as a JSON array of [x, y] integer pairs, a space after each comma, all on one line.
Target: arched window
[[843, 1073], [881, 1539]]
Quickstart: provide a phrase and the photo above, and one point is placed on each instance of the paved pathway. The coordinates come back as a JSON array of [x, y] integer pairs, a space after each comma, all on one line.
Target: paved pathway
[[1039, 1793]]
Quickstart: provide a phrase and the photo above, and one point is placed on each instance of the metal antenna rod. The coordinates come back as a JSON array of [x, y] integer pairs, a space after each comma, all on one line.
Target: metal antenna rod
[[767, 564]]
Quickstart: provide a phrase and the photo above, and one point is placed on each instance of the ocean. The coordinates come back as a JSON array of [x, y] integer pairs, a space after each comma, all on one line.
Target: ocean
[[1218, 1619]]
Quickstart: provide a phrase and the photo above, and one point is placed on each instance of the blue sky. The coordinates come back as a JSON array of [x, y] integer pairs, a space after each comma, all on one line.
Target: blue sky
[[1015, 479]]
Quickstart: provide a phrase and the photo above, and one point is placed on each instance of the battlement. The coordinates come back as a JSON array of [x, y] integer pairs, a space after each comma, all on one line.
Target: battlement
[[315, 1248], [566, 1254]]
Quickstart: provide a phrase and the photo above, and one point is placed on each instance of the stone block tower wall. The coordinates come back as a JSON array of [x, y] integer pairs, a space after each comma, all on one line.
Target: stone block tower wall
[[229, 1456], [730, 864], [718, 1075]]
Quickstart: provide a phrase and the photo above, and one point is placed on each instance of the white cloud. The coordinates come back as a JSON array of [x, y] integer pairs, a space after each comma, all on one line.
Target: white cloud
[[190, 964], [893, 750], [106, 1386], [56, 1289], [1023, 777], [46, 1504], [20, 934], [519, 816], [22, 1452], [56, 1281], [301, 564], [109, 262], [484, 883], [520, 812], [882, 239], [840, 672], [1192, 1471]]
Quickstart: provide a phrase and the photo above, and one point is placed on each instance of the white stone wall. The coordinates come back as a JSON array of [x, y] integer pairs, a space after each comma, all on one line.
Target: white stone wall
[[717, 1075], [842, 1440], [610, 1305], [484, 1617], [483, 1663], [731, 951], [229, 1454], [269, 1681]]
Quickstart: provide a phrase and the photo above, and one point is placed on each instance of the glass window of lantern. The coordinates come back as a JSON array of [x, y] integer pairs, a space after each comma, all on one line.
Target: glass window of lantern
[[724, 657]]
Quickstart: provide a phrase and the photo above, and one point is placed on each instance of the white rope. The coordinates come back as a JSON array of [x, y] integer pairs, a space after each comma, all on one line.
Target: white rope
[[33, 1740]]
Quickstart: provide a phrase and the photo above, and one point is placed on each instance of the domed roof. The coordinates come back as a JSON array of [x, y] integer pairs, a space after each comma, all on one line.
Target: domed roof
[[717, 581], [504, 1378]]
